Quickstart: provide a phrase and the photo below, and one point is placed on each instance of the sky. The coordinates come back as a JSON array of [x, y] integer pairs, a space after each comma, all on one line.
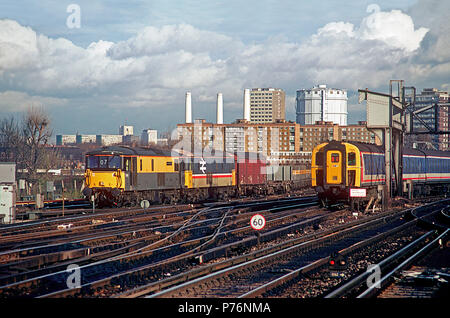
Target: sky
[[96, 65]]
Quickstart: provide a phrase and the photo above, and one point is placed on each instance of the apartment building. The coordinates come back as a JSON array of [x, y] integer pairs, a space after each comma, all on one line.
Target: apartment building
[[267, 105]]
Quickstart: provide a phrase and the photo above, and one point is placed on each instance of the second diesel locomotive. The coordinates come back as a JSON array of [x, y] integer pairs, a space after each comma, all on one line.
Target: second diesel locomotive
[[119, 175], [338, 168]]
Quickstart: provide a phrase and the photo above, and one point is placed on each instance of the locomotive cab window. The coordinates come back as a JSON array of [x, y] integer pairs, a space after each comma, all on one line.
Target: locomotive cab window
[[351, 159], [103, 162], [114, 162], [334, 157], [92, 162]]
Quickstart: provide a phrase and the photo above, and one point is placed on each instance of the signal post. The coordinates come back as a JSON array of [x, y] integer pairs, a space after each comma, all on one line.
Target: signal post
[[386, 118]]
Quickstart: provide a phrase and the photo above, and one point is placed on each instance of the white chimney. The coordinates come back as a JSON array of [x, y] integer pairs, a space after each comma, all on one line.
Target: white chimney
[[247, 104], [188, 108], [219, 108]]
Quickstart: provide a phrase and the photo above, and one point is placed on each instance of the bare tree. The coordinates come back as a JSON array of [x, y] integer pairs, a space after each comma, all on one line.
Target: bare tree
[[10, 140], [27, 143], [36, 135]]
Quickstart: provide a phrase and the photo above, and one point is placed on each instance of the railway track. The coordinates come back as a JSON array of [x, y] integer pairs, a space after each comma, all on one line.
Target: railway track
[[391, 268], [195, 250], [263, 274], [143, 256]]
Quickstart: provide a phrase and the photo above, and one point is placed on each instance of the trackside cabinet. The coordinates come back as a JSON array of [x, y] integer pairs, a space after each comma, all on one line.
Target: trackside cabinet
[[7, 192]]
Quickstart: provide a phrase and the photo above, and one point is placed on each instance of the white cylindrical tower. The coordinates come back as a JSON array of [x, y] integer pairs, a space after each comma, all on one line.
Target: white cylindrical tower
[[188, 104], [247, 104], [321, 104], [219, 108]]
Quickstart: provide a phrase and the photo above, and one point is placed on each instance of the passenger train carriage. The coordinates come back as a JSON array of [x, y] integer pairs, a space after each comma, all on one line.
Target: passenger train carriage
[[119, 175], [338, 167]]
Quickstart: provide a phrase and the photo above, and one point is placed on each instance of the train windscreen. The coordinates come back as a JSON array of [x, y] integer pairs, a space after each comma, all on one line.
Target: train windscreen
[[103, 162]]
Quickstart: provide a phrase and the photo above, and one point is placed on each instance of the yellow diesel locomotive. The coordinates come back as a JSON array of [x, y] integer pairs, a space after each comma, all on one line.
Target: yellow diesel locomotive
[[120, 175]]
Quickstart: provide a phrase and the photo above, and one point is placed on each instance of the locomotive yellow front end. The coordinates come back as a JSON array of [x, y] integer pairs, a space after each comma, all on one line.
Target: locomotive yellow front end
[[104, 178], [335, 169]]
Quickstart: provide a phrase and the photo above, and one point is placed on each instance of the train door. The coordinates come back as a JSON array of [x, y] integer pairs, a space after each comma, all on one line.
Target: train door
[[133, 172], [130, 164], [334, 167]]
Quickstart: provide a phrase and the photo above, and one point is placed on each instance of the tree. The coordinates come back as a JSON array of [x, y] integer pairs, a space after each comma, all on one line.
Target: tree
[[26, 143], [10, 140], [36, 135]]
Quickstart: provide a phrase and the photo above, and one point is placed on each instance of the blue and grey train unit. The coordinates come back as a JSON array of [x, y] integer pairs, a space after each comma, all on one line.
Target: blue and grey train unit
[[341, 171]]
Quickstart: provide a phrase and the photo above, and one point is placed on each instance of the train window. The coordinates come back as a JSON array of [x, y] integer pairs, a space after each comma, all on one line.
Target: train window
[[153, 164], [334, 157], [114, 162], [140, 163], [103, 162], [168, 163], [92, 162], [351, 159]]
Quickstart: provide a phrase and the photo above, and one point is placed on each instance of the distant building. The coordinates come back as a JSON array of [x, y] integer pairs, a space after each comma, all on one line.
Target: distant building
[[430, 97], [242, 136], [284, 143], [126, 130], [62, 140], [86, 139], [107, 140], [267, 105], [312, 135], [149, 136], [359, 132], [321, 104], [163, 141], [130, 139], [65, 139]]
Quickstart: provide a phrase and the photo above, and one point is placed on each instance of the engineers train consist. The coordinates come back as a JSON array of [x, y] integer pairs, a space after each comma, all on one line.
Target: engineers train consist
[[341, 168], [119, 175]]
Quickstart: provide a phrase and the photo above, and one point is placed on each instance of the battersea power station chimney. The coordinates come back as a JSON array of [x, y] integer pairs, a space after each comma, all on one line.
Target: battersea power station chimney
[[247, 104], [188, 104], [219, 108]]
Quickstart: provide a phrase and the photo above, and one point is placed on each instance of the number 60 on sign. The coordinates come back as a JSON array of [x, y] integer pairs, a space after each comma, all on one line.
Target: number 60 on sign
[[257, 222]]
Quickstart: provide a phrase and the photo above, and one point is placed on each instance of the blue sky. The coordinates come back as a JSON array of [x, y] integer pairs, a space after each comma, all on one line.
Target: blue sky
[[132, 61]]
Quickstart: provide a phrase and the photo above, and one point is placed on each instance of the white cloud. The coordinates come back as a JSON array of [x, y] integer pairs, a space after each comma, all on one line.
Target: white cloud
[[156, 66], [13, 101], [394, 28]]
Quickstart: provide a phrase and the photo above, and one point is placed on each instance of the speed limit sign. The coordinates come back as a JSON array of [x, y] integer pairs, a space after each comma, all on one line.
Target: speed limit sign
[[257, 222]]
